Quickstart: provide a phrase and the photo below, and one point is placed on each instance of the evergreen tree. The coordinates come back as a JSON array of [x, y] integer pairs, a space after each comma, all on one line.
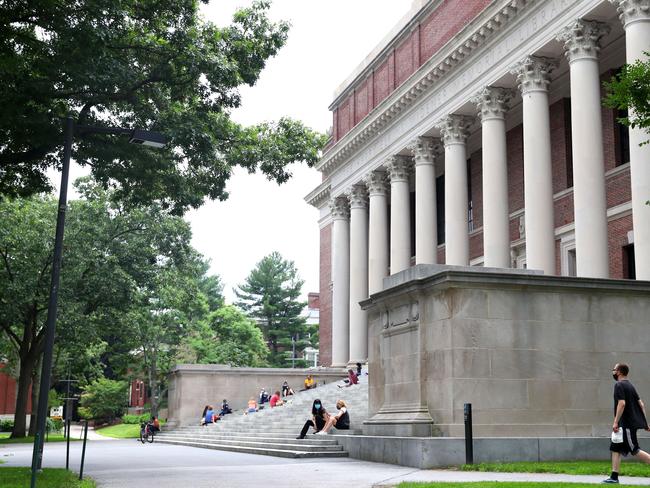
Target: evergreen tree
[[271, 296]]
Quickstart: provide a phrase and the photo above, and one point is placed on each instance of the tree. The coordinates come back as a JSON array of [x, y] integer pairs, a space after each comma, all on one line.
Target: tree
[[139, 63], [103, 399], [270, 295], [228, 337], [123, 272], [630, 90]]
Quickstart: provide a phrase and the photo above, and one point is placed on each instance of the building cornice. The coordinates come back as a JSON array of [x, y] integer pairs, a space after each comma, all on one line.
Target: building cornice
[[489, 23], [320, 195]]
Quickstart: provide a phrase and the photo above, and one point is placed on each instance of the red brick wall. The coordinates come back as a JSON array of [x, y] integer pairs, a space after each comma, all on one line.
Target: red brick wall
[[325, 314], [8, 392], [415, 49], [515, 151], [617, 231], [362, 101], [560, 119], [618, 188]]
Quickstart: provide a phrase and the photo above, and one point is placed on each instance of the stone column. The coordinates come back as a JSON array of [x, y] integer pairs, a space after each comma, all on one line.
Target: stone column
[[581, 41], [492, 103], [455, 129], [378, 230], [358, 273], [534, 76], [399, 168], [426, 233], [635, 15], [340, 211]]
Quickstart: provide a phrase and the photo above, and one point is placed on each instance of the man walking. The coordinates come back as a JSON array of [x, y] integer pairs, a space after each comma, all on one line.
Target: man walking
[[629, 416]]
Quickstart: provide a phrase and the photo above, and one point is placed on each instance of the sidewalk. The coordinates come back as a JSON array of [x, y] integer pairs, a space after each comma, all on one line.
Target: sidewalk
[[469, 476], [77, 432]]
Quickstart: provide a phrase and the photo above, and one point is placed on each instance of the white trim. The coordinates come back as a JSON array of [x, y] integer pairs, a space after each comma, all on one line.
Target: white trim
[[567, 243]]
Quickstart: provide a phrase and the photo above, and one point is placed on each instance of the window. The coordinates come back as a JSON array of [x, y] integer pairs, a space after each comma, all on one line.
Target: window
[[572, 268], [629, 266], [568, 261], [621, 138], [440, 208], [470, 210]]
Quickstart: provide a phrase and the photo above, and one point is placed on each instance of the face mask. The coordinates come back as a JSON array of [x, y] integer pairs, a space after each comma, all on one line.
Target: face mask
[[317, 406], [615, 376]]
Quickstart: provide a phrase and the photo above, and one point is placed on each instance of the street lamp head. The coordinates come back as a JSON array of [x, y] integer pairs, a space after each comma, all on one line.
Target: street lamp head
[[148, 138]]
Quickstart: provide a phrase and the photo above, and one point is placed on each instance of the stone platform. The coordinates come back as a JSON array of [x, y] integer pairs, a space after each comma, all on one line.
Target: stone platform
[[532, 353]]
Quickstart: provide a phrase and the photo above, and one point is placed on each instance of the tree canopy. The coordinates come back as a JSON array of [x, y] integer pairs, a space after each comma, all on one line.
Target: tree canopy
[[149, 64], [129, 287], [271, 295]]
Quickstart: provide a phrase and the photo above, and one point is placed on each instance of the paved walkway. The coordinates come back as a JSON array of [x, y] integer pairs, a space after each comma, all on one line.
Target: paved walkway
[[128, 463]]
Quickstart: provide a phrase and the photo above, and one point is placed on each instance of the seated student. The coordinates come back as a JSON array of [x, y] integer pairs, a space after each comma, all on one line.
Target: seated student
[[341, 421], [319, 417], [286, 389], [252, 406], [309, 382], [205, 410], [276, 401], [264, 396], [210, 416], [353, 379], [155, 424], [225, 408]]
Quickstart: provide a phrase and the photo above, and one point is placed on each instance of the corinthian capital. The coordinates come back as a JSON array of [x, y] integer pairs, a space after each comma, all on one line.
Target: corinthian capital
[[632, 10], [399, 168], [340, 208], [425, 149], [377, 183], [358, 195], [534, 73], [581, 39], [455, 128], [493, 102]]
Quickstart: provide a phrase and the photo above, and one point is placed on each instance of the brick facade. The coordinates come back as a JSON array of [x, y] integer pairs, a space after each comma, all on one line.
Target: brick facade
[[411, 51]]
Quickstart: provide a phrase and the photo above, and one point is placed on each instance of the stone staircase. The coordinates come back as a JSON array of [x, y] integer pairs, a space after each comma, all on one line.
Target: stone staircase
[[273, 431]]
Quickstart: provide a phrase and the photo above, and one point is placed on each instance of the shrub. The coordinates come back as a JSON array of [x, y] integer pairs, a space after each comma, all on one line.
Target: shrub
[[52, 425], [103, 399], [6, 425], [135, 419]]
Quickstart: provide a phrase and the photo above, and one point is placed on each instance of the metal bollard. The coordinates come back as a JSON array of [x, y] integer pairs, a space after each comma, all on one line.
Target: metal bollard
[[83, 452], [469, 442]]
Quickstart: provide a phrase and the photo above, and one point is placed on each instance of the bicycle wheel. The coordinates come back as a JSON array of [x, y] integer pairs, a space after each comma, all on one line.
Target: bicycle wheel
[[143, 434], [150, 435]]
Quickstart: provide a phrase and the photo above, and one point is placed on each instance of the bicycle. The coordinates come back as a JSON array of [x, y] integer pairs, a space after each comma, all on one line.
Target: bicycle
[[146, 432]]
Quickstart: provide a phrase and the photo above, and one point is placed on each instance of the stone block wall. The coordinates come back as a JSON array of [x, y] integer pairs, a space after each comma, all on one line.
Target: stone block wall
[[532, 353], [192, 386]]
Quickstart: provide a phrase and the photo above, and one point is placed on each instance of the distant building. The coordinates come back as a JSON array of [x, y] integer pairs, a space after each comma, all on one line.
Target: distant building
[[311, 354]]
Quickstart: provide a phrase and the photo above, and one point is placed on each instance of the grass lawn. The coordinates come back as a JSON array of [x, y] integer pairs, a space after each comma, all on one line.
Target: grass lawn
[[4, 439], [562, 467], [496, 484], [122, 431], [49, 478]]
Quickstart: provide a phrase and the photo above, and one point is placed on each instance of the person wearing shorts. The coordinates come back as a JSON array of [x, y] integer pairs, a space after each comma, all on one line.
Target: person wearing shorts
[[629, 416]]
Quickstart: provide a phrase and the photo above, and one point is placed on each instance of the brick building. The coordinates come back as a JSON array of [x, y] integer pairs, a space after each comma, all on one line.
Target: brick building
[[474, 134]]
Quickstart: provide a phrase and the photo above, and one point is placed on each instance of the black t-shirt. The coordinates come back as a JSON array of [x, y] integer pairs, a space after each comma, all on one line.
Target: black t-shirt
[[632, 417], [344, 420]]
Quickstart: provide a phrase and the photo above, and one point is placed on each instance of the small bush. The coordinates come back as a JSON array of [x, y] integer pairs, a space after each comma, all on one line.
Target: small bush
[[135, 419], [6, 425], [52, 425]]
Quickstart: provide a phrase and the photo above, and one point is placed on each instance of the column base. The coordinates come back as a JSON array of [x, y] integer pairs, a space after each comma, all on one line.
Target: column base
[[401, 421]]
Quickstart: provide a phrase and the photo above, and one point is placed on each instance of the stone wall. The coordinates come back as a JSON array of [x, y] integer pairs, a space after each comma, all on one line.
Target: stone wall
[[532, 353], [192, 386]]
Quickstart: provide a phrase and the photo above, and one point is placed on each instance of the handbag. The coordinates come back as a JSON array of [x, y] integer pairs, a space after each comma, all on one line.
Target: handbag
[[617, 437]]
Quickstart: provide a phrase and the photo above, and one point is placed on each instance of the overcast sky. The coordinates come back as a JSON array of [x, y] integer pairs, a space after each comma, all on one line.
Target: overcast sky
[[327, 41]]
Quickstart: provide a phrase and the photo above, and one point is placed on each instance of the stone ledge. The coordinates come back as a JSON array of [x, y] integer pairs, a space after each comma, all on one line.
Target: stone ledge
[[437, 452]]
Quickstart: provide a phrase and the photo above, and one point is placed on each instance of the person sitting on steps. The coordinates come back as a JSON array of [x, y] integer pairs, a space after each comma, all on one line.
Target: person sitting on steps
[[319, 419], [341, 421], [309, 382]]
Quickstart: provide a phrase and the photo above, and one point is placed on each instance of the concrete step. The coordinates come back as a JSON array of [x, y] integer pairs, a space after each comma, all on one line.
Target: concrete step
[[296, 445], [262, 451], [268, 437]]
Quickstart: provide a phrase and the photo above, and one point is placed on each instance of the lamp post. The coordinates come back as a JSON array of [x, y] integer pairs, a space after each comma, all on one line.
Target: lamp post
[[146, 138]]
